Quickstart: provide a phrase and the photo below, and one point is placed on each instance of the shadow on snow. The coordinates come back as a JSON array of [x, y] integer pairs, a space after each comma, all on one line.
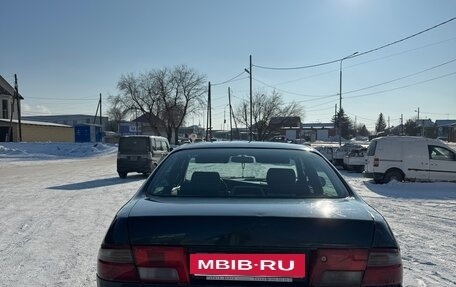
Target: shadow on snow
[[415, 190], [98, 183]]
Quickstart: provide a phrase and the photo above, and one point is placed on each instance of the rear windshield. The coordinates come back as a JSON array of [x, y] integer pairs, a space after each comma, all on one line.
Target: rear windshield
[[228, 172], [371, 148], [134, 145]]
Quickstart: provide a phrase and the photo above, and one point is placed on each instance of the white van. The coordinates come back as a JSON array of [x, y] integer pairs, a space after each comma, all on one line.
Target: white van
[[140, 153], [409, 158]]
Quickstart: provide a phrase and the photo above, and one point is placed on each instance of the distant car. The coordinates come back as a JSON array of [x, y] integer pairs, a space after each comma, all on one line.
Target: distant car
[[248, 214], [355, 160], [140, 153], [340, 153], [409, 158]]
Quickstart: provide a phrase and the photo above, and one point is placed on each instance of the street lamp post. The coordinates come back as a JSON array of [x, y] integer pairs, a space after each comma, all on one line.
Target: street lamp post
[[420, 123], [249, 71], [340, 96]]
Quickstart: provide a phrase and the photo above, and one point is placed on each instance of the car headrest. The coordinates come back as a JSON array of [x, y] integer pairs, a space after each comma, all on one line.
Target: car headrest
[[203, 176], [279, 176]]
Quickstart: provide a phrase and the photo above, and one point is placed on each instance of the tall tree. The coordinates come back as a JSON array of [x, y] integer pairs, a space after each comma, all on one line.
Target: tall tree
[[346, 125], [167, 94], [264, 107], [115, 113], [362, 131], [380, 126], [411, 128]]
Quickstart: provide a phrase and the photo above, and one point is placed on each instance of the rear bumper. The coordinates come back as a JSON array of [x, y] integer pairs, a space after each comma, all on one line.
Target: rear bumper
[[140, 165], [104, 283]]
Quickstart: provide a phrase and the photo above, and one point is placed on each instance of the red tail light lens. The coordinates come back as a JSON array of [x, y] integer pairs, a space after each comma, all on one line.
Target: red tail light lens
[[116, 264], [356, 267], [376, 162], [338, 267], [384, 268], [162, 264]]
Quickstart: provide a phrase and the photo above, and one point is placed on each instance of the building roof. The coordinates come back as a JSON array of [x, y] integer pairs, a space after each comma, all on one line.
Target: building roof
[[444, 123], [285, 121], [427, 123], [145, 118], [7, 89], [61, 116], [318, 126], [35, 123]]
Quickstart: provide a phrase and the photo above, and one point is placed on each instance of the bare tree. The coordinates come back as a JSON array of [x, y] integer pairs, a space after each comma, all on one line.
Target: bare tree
[[167, 94], [181, 93], [116, 112], [264, 108]]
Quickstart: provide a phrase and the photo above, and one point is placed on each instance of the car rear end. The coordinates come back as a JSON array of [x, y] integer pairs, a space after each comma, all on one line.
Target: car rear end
[[372, 162], [244, 251], [333, 239], [134, 155]]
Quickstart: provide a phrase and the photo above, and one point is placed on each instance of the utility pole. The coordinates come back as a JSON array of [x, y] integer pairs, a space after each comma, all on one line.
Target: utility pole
[[422, 123], [245, 113], [336, 122], [96, 112], [249, 71], [209, 124], [231, 123], [10, 130], [16, 89], [402, 124], [251, 101], [101, 119], [224, 119], [340, 95]]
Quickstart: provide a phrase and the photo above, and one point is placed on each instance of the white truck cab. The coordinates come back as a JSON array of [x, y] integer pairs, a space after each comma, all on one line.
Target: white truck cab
[[409, 158]]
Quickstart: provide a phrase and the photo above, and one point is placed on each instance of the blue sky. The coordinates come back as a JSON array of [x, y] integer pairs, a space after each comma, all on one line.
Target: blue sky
[[67, 52]]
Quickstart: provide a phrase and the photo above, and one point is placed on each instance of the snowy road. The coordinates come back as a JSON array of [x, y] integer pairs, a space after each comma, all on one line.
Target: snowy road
[[423, 219], [54, 215]]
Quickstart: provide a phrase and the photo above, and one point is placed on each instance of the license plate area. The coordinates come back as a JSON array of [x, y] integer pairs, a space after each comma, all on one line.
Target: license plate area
[[253, 267]]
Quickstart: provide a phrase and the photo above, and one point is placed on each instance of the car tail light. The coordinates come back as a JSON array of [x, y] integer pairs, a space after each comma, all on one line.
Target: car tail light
[[162, 264], [339, 267], [376, 162], [116, 264], [384, 268], [356, 267]]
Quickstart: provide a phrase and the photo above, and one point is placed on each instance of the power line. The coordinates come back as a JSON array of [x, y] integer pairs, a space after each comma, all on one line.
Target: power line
[[230, 80], [359, 54], [366, 62], [401, 78], [294, 93], [406, 38], [365, 88], [402, 87], [322, 109], [366, 119], [446, 114], [314, 106]]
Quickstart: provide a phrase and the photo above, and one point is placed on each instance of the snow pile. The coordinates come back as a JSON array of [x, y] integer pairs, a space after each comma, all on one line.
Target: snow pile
[[40, 150]]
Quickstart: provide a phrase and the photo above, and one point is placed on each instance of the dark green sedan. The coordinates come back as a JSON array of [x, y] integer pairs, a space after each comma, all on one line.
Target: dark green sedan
[[248, 214]]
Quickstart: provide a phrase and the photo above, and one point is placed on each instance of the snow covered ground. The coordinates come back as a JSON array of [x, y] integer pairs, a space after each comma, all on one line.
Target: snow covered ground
[[57, 201]]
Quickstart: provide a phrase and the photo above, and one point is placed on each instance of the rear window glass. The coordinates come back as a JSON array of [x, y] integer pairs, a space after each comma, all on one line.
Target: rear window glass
[[134, 145], [371, 148], [228, 172]]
